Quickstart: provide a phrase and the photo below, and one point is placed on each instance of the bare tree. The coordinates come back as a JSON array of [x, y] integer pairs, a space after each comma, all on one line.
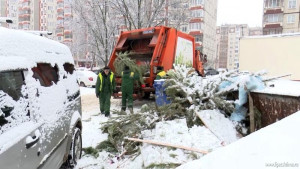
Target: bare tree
[[140, 13], [101, 26]]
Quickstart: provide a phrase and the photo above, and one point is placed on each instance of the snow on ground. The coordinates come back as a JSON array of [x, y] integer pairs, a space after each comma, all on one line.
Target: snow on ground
[[173, 132], [92, 134], [91, 118], [222, 127], [274, 146]]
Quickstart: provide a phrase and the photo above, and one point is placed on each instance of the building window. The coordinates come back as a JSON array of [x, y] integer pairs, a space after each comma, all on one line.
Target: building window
[[184, 29], [198, 38], [292, 4], [195, 26], [291, 19], [273, 18], [196, 2], [197, 13], [273, 3]]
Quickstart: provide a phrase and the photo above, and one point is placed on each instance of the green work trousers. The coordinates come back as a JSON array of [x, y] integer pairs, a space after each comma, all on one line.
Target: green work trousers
[[127, 96], [104, 100]]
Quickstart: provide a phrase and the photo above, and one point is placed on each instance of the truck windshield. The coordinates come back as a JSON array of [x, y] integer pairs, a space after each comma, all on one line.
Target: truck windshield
[[11, 83]]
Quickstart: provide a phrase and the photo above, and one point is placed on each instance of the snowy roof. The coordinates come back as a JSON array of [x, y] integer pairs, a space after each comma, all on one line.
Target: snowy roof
[[22, 50], [272, 146], [272, 36], [281, 87]]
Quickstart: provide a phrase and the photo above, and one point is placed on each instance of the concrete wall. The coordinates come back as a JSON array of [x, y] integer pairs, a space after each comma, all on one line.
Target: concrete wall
[[277, 55]]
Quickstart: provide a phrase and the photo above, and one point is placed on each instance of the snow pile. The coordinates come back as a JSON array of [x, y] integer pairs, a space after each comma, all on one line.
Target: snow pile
[[281, 87], [176, 132], [276, 145], [222, 127]]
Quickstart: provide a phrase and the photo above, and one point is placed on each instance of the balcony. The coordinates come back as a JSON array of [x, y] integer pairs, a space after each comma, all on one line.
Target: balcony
[[68, 14], [24, 15], [195, 32], [58, 26], [272, 30], [67, 40], [198, 44], [272, 25], [67, 31], [24, 8], [24, 22], [60, 17], [196, 20], [273, 10], [24, 1], [59, 32], [197, 7]]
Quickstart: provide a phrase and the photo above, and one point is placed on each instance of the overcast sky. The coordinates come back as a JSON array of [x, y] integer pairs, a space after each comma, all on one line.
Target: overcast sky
[[240, 12]]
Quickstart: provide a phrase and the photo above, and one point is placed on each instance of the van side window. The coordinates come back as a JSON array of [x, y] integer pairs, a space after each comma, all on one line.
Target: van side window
[[11, 83], [46, 74], [69, 68]]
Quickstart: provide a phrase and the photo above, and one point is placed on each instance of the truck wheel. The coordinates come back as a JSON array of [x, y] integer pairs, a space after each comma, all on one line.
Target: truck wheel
[[76, 146], [146, 95]]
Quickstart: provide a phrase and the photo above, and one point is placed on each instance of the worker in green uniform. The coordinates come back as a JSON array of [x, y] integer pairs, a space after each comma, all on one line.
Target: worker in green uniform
[[161, 73], [128, 79], [105, 86]]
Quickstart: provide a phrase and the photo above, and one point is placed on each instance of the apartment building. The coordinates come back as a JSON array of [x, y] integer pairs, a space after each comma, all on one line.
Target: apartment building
[[2, 10], [29, 15], [255, 31], [201, 24], [48, 14], [281, 16], [64, 22], [228, 44], [12, 12]]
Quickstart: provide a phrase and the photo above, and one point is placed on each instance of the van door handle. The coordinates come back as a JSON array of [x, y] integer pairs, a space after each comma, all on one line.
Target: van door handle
[[32, 140]]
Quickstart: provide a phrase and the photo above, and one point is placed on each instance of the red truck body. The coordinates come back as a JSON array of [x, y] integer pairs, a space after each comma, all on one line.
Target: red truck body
[[158, 46]]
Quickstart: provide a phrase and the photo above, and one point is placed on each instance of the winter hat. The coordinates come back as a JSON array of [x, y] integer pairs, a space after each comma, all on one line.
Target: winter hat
[[106, 67]]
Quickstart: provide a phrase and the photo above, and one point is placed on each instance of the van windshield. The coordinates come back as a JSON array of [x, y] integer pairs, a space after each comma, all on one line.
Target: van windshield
[[11, 83]]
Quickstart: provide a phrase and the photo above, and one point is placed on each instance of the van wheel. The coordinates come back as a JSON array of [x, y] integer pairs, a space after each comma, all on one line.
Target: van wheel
[[82, 84], [76, 146]]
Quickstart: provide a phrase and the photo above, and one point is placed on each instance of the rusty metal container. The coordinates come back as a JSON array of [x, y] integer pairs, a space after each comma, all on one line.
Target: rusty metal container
[[273, 107]]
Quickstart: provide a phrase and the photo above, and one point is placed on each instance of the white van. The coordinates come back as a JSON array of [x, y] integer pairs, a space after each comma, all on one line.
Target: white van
[[40, 107]]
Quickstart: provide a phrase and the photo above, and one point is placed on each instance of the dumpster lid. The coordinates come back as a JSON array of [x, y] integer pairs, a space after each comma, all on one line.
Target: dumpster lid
[[281, 87]]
